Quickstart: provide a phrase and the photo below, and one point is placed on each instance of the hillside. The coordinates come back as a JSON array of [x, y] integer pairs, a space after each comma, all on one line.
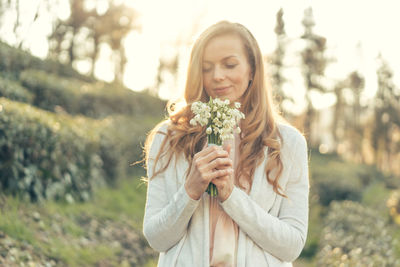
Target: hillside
[[66, 145], [70, 198]]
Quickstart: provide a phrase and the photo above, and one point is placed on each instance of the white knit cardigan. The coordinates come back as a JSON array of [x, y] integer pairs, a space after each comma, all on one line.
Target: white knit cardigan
[[272, 229]]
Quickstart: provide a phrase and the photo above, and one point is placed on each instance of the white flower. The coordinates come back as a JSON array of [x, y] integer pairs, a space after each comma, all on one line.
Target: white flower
[[219, 116]]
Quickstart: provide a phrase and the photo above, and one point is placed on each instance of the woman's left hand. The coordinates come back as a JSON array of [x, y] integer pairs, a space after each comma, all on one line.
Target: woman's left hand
[[225, 184]]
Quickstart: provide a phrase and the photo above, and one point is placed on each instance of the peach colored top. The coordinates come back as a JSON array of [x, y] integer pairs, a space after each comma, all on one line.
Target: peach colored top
[[223, 230]]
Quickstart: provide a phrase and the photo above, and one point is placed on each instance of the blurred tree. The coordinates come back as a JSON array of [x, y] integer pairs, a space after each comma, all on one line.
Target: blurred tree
[[348, 112], [169, 60], [167, 66], [314, 63], [14, 7], [276, 63], [386, 116], [118, 21], [69, 40], [3, 3], [356, 83], [355, 130], [338, 110]]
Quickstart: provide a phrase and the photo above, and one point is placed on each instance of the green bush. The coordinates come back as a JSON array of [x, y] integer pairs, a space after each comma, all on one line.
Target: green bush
[[14, 91], [314, 224], [347, 188], [14, 61], [51, 92], [44, 155], [355, 235], [53, 155], [47, 155], [128, 135], [101, 99], [335, 179], [96, 100], [375, 196]]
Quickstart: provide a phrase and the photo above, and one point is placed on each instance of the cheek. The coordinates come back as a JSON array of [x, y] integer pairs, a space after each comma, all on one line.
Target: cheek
[[206, 80], [207, 84], [241, 79]]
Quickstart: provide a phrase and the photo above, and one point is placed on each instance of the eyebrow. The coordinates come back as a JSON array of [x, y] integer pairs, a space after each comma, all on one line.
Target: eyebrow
[[225, 58]]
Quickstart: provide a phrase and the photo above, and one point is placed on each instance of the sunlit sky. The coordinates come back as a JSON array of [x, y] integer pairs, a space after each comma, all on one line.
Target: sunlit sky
[[356, 31]]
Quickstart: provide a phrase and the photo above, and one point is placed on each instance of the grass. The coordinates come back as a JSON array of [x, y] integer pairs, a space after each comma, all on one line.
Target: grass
[[10, 222], [151, 263], [376, 195], [315, 226], [83, 256], [123, 204]]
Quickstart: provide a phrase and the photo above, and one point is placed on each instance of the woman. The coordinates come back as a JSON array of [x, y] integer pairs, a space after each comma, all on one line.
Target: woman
[[260, 216]]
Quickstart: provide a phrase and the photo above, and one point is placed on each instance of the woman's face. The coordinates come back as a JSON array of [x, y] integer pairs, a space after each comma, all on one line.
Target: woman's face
[[226, 70]]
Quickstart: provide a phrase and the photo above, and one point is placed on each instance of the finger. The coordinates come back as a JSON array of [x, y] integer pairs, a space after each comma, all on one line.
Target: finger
[[212, 148], [218, 173], [204, 146], [216, 168], [225, 177], [211, 153], [223, 167], [228, 148], [220, 182], [206, 150], [220, 163]]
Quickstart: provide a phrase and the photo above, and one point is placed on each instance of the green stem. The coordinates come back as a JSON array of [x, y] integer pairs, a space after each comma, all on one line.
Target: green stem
[[213, 139]]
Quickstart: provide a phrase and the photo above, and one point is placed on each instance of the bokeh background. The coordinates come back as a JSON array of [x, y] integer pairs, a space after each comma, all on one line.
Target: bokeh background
[[83, 81]]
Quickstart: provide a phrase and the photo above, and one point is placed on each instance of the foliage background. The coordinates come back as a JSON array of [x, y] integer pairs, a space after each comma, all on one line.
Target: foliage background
[[69, 196]]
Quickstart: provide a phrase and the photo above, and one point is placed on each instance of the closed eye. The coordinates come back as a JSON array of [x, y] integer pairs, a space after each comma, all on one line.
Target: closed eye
[[207, 67], [230, 66]]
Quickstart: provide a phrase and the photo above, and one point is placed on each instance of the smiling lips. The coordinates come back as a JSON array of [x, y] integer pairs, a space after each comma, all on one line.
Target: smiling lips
[[222, 89]]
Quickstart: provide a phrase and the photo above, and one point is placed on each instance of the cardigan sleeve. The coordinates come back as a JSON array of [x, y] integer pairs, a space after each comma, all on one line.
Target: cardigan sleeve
[[283, 236], [167, 214]]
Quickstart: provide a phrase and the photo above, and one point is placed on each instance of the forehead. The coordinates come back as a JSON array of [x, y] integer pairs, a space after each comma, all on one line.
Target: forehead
[[223, 46]]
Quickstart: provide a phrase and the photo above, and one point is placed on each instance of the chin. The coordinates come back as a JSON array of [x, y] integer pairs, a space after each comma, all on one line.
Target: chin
[[223, 97]]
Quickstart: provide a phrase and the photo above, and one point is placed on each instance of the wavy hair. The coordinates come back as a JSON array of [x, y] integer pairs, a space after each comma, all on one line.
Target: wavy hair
[[259, 128]]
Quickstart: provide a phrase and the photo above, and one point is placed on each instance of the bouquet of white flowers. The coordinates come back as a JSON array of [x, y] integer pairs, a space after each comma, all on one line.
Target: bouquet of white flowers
[[220, 119]]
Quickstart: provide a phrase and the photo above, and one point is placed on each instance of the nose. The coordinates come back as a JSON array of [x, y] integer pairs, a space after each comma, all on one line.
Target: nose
[[219, 74]]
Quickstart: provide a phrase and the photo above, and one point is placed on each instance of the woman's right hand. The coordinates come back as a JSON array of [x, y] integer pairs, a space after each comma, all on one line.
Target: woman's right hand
[[207, 164]]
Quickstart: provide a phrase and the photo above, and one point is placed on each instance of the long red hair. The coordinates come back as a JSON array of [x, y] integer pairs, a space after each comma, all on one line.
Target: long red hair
[[259, 128]]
